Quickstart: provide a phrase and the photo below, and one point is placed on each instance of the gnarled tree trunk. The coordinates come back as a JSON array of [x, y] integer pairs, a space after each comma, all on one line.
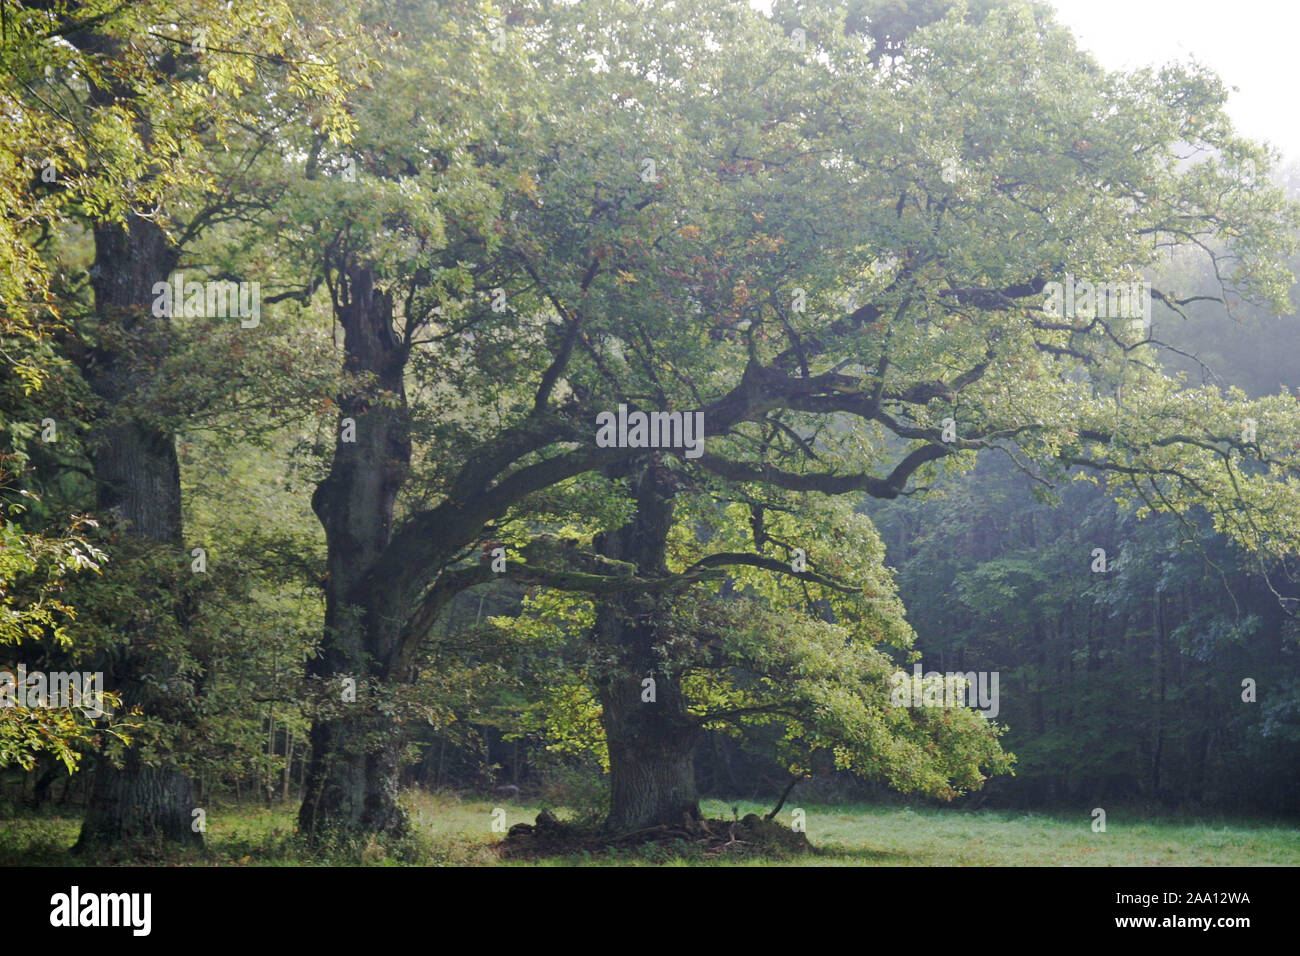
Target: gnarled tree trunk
[[650, 734], [138, 475], [651, 755], [352, 773], [139, 803]]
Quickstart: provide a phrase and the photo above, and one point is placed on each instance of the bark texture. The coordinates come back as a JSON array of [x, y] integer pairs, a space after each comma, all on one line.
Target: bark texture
[[651, 742], [138, 477], [352, 773], [139, 803]]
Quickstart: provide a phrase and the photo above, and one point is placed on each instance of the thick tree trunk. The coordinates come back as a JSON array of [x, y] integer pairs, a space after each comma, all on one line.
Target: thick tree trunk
[[139, 803], [352, 777], [352, 773], [650, 735], [138, 475], [651, 755], [135, 464]]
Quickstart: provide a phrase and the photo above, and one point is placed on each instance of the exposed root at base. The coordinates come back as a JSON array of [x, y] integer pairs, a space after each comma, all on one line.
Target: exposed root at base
[[750, 836]]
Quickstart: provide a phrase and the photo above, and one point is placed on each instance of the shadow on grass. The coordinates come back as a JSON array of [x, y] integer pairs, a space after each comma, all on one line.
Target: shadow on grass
[[865, 855]]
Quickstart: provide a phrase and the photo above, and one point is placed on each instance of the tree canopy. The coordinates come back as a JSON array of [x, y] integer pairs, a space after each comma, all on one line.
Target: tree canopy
[[862, 245]]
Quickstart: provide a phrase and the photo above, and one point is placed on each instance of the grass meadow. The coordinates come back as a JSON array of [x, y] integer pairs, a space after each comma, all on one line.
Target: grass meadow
[[451, 830]]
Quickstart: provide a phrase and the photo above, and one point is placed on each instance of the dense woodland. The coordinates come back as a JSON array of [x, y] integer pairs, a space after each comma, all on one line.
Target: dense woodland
[[309, 310]]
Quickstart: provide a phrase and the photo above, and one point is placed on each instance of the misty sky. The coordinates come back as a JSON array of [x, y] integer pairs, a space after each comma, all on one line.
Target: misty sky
[[1249, 43]]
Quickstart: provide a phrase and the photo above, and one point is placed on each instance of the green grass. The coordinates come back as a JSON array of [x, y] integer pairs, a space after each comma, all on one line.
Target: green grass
[[449, 830]]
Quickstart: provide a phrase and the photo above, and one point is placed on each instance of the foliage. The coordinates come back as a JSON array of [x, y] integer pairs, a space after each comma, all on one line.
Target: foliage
[[835, 250]]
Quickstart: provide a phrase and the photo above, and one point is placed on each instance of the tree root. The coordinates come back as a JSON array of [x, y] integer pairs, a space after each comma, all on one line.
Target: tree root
[[711, 839]]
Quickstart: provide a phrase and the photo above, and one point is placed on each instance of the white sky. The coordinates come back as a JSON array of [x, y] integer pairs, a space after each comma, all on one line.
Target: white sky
[[1251, 44]]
